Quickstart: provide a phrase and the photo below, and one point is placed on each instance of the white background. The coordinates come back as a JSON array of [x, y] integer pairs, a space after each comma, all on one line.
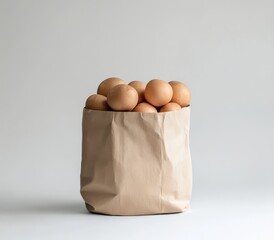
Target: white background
[[53, 54]]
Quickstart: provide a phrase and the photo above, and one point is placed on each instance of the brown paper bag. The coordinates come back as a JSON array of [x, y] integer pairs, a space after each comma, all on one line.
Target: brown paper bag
[[136, 163]]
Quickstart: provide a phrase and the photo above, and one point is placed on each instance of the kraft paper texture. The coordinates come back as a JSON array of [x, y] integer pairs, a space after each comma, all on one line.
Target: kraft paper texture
[[136, 163]]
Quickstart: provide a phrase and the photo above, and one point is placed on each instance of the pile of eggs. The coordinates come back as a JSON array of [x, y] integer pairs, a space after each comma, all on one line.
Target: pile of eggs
[[113, 94]]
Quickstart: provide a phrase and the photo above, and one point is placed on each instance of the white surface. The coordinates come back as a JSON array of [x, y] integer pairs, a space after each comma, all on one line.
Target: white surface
[[237, 216], [53, 56]]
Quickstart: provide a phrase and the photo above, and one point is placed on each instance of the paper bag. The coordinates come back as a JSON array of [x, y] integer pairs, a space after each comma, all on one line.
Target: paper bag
[[136, 163]]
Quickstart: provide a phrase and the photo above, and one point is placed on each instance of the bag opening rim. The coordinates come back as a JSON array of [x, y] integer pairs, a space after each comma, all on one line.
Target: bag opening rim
[[129, 112]]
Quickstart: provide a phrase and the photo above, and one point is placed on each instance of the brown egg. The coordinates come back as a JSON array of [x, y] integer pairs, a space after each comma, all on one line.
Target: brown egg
[[158, 92], [97, 102], [140, 88], [107, 84], [144, 107], [170, 107], [181, 93], [122, 98]]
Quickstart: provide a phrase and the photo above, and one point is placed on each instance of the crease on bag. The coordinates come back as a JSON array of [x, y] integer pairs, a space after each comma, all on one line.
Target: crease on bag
[[162, 156], [116, 156]]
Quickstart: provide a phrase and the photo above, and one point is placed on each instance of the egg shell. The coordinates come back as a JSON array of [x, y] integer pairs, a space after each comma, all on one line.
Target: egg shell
[[170, 107], [144, 107], [158, 92], [97, 102], [107, 84], [122, 98], [140, 88], [181, 93]]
